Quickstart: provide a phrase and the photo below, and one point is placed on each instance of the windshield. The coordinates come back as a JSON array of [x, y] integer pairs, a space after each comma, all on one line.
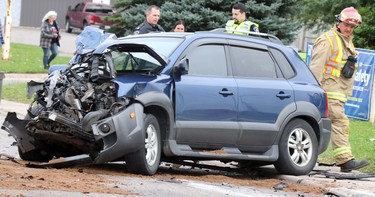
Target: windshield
[[161, 45]]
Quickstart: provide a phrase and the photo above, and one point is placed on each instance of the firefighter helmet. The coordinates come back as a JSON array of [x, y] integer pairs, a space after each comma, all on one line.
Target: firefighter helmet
[[349, 15]]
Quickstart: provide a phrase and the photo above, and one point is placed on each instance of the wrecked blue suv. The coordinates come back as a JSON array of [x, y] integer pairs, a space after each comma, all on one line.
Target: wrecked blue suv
[[179, 97]]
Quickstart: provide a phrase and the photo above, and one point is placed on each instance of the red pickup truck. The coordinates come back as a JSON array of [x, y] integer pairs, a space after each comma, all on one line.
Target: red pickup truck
[[87, 13]]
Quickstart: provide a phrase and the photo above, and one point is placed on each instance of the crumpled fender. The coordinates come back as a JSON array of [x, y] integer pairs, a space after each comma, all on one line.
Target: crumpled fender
[[16, 128], [124, 136]]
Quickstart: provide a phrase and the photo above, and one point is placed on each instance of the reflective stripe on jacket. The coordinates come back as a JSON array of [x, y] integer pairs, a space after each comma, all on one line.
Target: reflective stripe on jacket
[[334, 64], [244, 26]]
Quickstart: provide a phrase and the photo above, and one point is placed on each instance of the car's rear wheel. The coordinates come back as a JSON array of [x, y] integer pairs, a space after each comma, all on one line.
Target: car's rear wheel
[[298, 149], [68, 28], [147, 160]]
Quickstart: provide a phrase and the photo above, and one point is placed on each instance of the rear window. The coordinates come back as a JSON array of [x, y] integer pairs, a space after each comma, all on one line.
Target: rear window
[[105, 9]]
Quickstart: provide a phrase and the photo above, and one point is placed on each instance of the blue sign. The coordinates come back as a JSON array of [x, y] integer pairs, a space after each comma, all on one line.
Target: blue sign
[[359, 104], [309, 47]]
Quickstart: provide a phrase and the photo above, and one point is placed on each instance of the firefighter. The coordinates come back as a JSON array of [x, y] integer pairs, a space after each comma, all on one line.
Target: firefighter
[[333, 63], [239, 21]]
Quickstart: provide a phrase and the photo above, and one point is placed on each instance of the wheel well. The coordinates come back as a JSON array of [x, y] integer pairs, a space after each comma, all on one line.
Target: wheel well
[[162, 116], [312, 122]]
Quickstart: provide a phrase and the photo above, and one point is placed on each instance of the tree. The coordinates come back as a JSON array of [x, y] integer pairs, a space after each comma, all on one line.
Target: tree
[[274, 16], [320, 15], [199, 15]]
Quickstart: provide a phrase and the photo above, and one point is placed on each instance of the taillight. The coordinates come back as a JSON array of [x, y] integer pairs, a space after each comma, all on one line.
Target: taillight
[[326, 98], [91, 19]]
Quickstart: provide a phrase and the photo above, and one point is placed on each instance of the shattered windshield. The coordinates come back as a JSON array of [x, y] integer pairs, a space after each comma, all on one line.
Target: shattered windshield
[[164, 46]]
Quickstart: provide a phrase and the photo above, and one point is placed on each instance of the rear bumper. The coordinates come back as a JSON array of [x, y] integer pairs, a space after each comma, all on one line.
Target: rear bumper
[[325, 134]]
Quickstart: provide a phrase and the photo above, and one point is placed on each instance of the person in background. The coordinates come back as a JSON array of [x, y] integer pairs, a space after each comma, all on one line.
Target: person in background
[[1, 35], [49, 38], [179, 26], [239, 21], [151, 22], [333, 63]]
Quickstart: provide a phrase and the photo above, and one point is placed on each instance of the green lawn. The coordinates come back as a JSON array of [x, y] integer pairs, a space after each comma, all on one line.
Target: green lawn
[[27, 59], [362, 141]]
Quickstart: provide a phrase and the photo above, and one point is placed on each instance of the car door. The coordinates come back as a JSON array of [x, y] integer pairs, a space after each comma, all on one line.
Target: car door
[[75, 20], [206, 98], [265, 97]]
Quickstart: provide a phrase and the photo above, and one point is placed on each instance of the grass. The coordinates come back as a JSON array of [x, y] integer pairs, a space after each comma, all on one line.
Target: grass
[[28, 59], [302, 55], [15, 92], [362, 142]]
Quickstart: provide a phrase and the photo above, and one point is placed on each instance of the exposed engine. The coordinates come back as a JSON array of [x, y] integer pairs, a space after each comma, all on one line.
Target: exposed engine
[[69, 103]]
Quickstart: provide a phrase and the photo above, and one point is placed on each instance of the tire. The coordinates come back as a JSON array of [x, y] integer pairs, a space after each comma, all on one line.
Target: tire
[[298, 149], [35, 155], [68, 28], [146, 161], [84, 25]]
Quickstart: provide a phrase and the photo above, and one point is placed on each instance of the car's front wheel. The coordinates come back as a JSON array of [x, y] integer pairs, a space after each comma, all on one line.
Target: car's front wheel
[[146, 160], [298, 149]]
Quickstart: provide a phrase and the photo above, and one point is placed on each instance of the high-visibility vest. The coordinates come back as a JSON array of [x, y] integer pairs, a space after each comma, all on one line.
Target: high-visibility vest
[[335, 63], [333, 66], [244, 26]]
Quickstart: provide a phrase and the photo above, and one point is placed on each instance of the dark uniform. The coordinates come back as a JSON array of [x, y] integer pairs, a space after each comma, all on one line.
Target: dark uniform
[[145, 28]]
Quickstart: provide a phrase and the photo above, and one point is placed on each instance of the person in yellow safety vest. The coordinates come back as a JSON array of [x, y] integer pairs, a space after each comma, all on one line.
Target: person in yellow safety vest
[[239, 21], [333, 64]]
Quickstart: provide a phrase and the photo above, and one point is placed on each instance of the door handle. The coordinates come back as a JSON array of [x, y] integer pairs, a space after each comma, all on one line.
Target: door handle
[[282, 95], [225, 92]]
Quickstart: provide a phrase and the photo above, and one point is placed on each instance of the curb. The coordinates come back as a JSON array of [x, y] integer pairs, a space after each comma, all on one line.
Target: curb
[[337, 191]]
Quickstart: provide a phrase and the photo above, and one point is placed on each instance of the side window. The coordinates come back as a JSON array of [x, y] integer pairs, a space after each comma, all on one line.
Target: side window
[[207, 60], [136, 61], [249, 62], [283, 63], [119, 60], [80, 7], [76, 8]]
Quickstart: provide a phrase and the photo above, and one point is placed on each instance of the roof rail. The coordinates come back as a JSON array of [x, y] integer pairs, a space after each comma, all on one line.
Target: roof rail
[[249, 33]]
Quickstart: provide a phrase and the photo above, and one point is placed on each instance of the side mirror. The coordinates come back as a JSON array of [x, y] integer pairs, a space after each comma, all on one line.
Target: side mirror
[[182, 68]]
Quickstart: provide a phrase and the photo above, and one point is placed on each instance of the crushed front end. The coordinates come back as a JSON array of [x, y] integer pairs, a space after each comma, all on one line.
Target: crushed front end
[[78, 112]]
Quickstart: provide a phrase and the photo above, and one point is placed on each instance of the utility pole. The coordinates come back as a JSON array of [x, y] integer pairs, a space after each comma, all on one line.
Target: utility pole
[[7, 31]]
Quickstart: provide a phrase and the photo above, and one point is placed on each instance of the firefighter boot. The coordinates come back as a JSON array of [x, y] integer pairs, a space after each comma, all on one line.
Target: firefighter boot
[[353, 165]]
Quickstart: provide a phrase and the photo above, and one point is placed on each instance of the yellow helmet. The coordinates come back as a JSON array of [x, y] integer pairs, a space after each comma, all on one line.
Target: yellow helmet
[[349, 15]]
